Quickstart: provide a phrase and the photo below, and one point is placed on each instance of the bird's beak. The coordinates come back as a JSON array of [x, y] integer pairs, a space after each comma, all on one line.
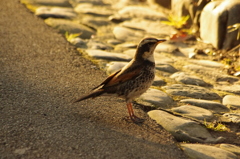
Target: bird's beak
[[161, 40]]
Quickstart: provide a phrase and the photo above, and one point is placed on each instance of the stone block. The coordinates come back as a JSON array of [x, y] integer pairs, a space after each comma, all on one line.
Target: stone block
[[215, 18]]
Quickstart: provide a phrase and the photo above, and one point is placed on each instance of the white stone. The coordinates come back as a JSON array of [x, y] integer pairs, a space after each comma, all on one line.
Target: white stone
[[167, 48], [208, 63], [130, 52], [127, 45], [115, 66], [141, 12], [150, 27], [126, 34], [232, 148], [199, 151], [232, 100], [163, 59], [78, 42], [56, 12], [231, 117]]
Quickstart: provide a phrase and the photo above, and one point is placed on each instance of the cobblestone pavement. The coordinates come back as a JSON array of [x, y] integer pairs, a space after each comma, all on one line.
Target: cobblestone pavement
[[40, 75]]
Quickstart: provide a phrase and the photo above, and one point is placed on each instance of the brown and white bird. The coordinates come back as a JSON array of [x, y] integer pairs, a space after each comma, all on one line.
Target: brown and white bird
[[133, 79]]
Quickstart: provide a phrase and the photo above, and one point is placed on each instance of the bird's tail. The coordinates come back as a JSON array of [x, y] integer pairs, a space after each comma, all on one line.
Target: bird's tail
[[91, 95]]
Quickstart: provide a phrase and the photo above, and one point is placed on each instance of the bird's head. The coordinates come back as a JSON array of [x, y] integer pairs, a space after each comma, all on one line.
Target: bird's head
[[146, 48]]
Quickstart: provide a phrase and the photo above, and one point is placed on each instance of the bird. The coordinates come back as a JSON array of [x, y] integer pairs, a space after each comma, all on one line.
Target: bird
[[133, 79]]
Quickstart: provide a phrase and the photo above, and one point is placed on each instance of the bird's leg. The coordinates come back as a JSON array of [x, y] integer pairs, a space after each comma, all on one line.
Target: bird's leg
[[131, 114], [130, 110]]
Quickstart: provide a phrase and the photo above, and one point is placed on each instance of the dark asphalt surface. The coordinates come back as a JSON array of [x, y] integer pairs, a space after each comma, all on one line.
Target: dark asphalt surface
[[39, 77]]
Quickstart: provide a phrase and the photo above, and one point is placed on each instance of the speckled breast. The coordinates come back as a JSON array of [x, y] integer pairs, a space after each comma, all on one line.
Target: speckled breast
[[134, 88]]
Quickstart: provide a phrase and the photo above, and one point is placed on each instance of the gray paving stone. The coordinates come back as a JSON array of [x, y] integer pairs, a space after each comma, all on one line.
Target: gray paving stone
[[166, 68], [99, 54], [63, 26], [235, 88], [199, 69], [92, 44], [194, 112], [191, 91], [55, 12], [114, 41], [206, 104], [95, 22], [59, 3], [158, 81], [96, 10], [226, 78], [156, 98], [211, 73], [186, 78], [183, 129]]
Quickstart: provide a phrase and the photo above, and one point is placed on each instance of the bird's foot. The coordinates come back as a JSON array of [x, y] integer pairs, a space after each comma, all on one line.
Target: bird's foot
[[137, 120], [134, 119]]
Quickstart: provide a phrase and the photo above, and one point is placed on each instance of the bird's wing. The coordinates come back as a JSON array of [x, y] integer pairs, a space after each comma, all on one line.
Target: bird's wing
[[124, 76], [107, 80]]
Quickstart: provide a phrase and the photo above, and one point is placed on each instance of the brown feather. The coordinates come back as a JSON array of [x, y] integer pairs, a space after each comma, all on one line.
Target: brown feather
[[107, 80], [123, 77]]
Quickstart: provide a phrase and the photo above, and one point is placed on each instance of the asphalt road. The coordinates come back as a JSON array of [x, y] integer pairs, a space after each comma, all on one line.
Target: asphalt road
[[40, 74]]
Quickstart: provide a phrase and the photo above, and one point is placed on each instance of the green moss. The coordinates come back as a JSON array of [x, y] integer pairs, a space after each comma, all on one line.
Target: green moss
[[70, 36], [216, 126]]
